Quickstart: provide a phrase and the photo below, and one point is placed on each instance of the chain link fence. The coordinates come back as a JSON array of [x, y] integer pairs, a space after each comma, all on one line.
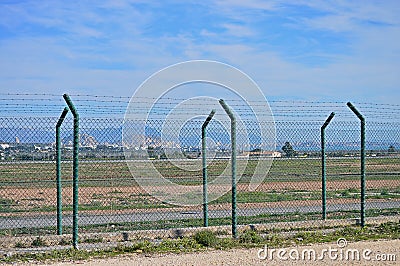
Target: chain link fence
[[119, 200]]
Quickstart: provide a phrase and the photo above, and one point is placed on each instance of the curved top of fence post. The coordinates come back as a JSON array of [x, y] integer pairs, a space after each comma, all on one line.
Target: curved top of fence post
[[227, 109], [210, 116], [328, 120], [71, 105], [358, 114], [62, 117]]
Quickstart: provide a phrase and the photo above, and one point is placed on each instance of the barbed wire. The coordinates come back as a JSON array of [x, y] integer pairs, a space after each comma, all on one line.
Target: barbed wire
[[175, 98], [12, 104]]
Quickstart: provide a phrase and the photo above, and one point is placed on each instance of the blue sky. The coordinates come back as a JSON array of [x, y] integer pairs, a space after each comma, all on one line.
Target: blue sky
[[302, 50]]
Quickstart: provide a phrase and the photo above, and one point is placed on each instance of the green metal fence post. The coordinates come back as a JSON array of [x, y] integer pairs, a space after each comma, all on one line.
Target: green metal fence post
[[204, 161], [328, 120], [58, 170], [233, 159], [75, 166], [362, 119]]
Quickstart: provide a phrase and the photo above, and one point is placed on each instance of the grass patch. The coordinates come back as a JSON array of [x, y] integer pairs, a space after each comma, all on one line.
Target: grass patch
[[116, 200], [39, 242], [6, 205], [208, 239], [250, 237], [92, 240], [99, 174], [186, 223], [21, 244]]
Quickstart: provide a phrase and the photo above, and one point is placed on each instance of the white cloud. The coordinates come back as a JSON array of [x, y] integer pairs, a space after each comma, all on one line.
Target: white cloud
[[253, 4], [73, 60], [352, 77], [352, 15], [238, 30], [208, 33]]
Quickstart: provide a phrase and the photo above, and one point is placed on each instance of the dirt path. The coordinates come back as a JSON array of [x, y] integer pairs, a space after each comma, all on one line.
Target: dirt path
[[28, 198], [371, 253]]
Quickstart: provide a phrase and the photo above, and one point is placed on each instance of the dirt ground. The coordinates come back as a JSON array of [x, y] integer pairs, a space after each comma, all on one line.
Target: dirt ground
[[46, 196], [28, 198], [381, 252]]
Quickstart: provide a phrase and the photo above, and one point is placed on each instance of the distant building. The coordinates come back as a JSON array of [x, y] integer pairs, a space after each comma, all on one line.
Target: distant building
[[4, 146], [276, 154], [260, 153], [88, 141]]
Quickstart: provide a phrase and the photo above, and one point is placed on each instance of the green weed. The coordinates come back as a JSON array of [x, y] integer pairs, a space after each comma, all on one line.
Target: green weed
[[206, 238], [39, 242], [250, 236]]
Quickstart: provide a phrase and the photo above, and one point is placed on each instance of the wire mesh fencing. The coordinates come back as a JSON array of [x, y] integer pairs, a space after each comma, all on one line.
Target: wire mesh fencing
[[145, 179]]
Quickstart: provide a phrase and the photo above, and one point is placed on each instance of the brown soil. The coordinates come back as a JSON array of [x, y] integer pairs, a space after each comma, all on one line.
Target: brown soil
[[380, 250], [35, 197]]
